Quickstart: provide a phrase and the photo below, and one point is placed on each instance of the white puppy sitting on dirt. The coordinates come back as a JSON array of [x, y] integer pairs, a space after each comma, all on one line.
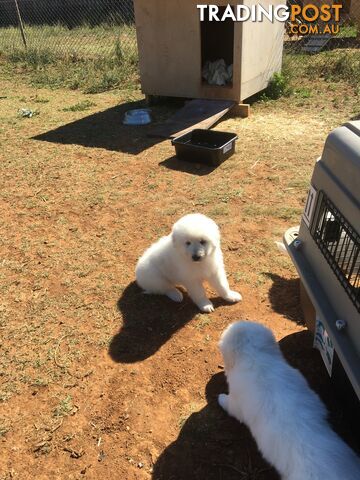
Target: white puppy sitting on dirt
[[190, 255], [286, 418]]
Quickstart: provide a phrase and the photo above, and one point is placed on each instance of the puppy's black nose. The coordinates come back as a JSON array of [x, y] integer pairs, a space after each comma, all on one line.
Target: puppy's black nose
[[196, 258]]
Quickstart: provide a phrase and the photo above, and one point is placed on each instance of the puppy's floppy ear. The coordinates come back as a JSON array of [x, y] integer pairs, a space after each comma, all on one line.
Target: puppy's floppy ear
[[215, 237], [229, 358], [174, 235], [228, 350]]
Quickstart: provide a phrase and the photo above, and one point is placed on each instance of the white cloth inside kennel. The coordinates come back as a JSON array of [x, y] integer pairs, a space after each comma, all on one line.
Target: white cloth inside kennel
[[217, 73]]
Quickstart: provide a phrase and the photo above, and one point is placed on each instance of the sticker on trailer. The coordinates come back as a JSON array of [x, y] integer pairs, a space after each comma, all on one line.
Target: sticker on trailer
[[310, 205], [323, 343], [227, 148]]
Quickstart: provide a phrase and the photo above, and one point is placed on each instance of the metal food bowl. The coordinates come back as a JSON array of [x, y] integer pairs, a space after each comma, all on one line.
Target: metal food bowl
[[139, 116]]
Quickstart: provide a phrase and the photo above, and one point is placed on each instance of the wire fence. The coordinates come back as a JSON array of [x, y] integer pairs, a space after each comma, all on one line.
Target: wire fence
[[325, 49], [82, 30], [85, 28], [305, 37]]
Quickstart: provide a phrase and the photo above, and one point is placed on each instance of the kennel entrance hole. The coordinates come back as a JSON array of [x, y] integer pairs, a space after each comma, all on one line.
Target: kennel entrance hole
[[217, 42]]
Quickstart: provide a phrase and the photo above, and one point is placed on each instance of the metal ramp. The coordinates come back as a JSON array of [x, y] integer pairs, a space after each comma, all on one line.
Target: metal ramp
[[316, 43]]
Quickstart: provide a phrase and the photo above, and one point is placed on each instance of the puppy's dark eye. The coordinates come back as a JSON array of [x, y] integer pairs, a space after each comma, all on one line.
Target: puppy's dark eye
[[188, 243], [203, 242]]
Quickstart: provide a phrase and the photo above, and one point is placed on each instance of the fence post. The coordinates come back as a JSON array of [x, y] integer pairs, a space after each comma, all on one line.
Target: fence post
[[21, 25]]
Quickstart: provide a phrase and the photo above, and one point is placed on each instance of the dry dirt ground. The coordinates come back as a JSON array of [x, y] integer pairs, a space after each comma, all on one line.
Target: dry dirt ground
[[98, 380]]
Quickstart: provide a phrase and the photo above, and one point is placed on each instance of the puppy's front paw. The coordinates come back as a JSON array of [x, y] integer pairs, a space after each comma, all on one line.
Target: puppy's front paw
[[233, 297], [223, 401], [207, 308]]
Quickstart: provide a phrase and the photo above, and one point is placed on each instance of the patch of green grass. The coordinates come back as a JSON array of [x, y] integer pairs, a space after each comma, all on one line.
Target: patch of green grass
[[4, 427], [275, 179], [279, 86], [64, 408], [261, 279], [91, 59], [332, 65], [219, 211], [40, 100], [347, 31], [219, 198], [82, 41], [203, 321], [289, 213], [263, 211], [40, 382], [33, 57], [4, 396], [91, 76], [343, 66], [106, 81], [303, 92], [80, 106], [300, 183]]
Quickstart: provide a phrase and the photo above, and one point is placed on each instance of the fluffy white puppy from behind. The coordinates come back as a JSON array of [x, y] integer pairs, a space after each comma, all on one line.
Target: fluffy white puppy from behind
[[286, 418], [189, 256]]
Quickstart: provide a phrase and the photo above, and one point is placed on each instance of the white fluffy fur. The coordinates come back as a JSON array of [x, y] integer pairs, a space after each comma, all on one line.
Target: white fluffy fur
[[286, 418], [170, 262]]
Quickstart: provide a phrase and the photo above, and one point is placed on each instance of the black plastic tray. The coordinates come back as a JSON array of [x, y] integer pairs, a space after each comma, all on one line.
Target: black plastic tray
[[205, 146]]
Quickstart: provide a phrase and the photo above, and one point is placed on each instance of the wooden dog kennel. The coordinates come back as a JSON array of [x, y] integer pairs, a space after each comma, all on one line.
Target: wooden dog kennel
[[174, 46]]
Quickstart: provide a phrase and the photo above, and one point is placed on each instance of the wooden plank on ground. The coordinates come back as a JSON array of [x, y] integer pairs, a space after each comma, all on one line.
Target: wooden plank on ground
[[194, 114]]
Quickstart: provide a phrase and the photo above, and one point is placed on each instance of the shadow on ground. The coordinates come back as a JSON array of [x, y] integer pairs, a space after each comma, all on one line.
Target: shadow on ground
[[149, 321], [284, 296], [106, 130], [174, 163], [213, 446]]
